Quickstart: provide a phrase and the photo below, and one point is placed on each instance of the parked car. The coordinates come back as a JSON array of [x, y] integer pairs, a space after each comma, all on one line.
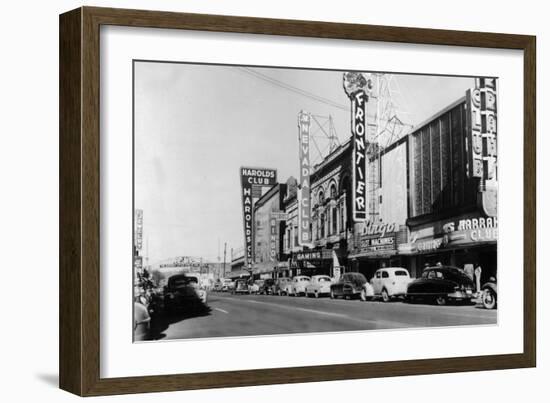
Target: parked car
[[182, 292], [281, 285], [441, 284], [254, 287], [228, 286], [350, 285], [241, 286], [298, 285], [390, 282], [489, 294], [267, 286], [318, 285]]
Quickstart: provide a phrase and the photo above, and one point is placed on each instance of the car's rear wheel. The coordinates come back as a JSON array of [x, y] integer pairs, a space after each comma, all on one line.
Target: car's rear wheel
[[385, 295], [441, 300], [489, 299]]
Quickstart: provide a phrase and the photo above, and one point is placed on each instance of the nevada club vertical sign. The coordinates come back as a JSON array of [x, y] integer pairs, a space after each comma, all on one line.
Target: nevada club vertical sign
[[304, 188], [252, 181]]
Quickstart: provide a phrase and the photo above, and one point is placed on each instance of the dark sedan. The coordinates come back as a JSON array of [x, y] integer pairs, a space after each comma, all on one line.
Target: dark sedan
[[350, 285], [442, 284], [267, 286], [182, 293]]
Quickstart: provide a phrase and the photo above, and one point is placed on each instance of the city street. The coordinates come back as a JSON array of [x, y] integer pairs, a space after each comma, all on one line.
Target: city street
[[246, 315]]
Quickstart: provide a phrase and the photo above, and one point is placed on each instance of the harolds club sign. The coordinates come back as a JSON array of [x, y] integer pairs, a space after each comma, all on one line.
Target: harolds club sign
[[304, 189], [356, 86], [252, 180]]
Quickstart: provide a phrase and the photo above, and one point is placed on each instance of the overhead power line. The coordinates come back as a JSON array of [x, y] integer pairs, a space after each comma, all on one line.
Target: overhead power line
[[296, 90]]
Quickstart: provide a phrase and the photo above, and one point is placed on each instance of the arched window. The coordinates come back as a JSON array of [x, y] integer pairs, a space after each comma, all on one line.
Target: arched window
[[334, 220], [345, 188], [321, 198], [333, 191]]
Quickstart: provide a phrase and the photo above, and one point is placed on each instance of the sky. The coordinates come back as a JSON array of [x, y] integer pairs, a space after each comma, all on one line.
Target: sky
[[196, 125]]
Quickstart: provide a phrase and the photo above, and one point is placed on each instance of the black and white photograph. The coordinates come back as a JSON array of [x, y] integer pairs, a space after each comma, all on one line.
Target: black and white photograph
[[270, 200]]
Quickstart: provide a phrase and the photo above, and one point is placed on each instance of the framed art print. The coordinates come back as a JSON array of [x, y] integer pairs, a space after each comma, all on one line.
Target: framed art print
[[251, 201]]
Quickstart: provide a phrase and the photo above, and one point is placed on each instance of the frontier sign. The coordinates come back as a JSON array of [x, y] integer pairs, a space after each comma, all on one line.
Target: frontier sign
[[252, 179], [304, 189], [354, 85]]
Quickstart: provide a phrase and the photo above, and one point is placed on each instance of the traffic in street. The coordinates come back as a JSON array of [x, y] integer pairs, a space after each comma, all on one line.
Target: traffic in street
[[231, 315]]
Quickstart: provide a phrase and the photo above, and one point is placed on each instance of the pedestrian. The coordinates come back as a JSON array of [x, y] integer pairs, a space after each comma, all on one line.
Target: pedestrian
[[477, 273], [469, 270], [141, 321]]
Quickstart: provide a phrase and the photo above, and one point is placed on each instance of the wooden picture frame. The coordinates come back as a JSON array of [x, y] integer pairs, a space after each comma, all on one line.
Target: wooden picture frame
[[79, 346]]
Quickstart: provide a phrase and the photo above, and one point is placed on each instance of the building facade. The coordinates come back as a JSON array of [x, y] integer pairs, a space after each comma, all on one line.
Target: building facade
[[268, 231], [454, 186], [432, 198]]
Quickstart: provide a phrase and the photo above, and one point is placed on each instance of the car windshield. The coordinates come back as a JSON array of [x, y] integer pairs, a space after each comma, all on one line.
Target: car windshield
[[401, 273], [181, 281], [356, 278]]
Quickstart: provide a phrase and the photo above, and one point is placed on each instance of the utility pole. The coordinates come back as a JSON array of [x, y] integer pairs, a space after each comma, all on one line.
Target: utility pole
[[224, 255]]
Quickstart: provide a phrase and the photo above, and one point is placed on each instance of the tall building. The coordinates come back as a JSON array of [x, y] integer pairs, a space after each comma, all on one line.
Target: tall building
[[268, 231]]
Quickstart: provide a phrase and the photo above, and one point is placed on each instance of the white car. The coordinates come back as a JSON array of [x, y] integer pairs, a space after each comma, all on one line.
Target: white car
[[298, 285], [390, 282], [318, 285], [254, 288]]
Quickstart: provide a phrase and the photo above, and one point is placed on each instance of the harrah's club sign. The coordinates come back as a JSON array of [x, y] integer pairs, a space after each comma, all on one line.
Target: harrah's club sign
[[355, 85], [252, 179], [304, 189]]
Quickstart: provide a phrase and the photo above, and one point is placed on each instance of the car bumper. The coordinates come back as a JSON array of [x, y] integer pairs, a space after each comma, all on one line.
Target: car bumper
[[460, 295], [324, 290]]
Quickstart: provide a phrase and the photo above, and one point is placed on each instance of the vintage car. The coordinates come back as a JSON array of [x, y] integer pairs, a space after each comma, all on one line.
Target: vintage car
[[281, 286], [298, 285], [241, 286], [318, 285], [489, 294], [182, 292], [254, 287], [441, 284], [390, 282], [349, 285], [267, 286]]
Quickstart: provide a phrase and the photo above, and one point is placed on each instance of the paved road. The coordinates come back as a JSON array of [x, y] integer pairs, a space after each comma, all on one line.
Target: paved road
[[246, 315]]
